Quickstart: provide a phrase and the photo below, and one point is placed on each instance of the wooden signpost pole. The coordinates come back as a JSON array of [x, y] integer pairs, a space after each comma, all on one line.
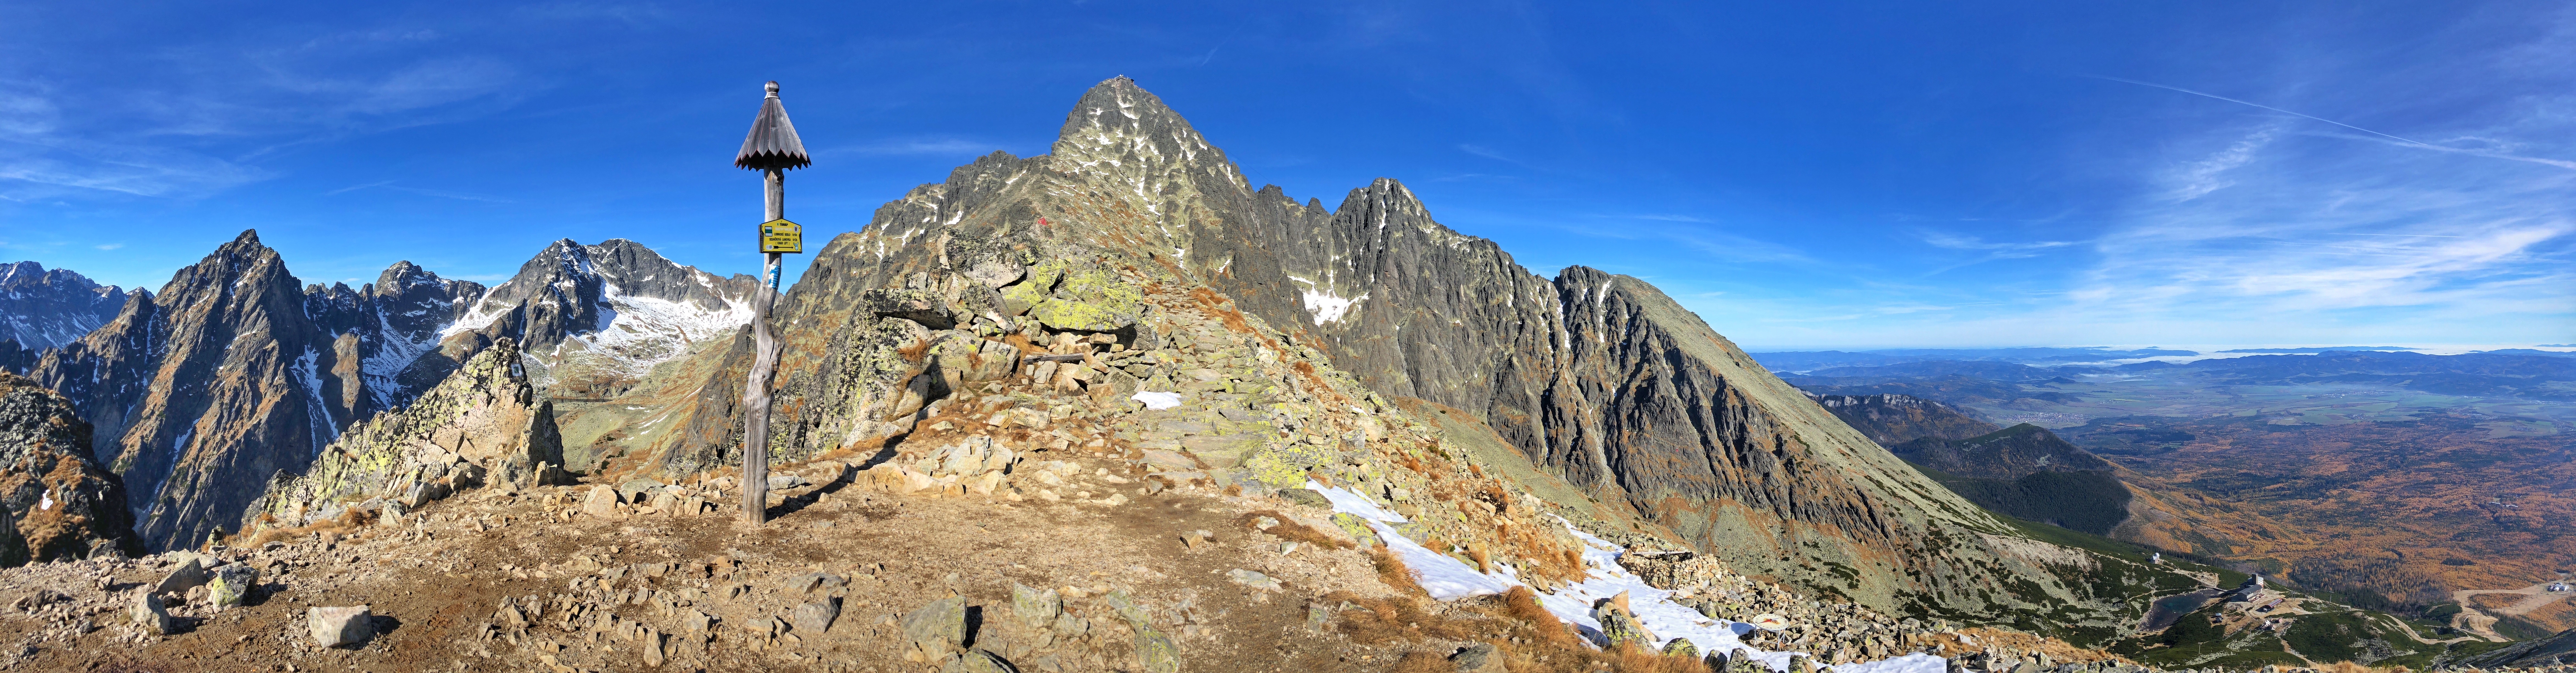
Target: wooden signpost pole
[[772, 148], [764, 363]]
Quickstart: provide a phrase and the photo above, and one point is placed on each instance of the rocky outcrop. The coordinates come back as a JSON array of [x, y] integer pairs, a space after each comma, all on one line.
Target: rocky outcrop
[[1891, 419], [16, 358], [42, 308], [485, 425], [55, 502]]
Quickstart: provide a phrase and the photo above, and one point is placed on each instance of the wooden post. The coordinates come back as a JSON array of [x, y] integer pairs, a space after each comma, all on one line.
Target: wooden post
[[772, 148], [764, 363]]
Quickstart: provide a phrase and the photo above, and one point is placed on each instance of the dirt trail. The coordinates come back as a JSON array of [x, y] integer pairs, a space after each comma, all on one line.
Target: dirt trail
[[2537, 596]]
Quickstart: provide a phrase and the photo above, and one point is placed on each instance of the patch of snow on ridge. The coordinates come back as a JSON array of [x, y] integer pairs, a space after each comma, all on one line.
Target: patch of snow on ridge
[[638, 332], [1158, 401], [485, 312], [395, 352], [1326, 306], [1447, 578], [317, 413]]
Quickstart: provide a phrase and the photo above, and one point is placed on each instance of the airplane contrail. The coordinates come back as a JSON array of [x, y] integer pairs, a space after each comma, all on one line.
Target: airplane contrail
[[2409, 142], [2260, 105]]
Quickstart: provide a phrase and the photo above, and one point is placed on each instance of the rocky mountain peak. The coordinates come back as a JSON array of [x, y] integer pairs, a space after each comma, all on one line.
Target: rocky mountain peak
[[1123, 135], [593, 319], [404, 274], [221, 376], [41, 308]]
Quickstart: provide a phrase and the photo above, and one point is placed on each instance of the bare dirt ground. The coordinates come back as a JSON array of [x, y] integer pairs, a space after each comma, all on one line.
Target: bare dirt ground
[[2535, 597], [599, 592]]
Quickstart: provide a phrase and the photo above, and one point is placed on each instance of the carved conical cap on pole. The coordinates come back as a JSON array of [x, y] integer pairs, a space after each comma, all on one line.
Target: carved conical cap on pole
[[772, 143]]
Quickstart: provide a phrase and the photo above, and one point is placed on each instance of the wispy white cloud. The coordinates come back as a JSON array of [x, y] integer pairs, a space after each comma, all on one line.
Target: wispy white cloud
[[1955, 241], [920, 147], [352, 188], [2199, 178], [439, 193], [1701, 235], [1494, 154], [223, 106]]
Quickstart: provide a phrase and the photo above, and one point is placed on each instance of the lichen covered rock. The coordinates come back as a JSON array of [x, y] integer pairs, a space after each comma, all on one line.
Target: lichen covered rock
[[55, 501], [484, 425]]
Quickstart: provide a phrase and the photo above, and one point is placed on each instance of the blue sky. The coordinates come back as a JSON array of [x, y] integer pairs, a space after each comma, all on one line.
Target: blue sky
[[1836, 176]]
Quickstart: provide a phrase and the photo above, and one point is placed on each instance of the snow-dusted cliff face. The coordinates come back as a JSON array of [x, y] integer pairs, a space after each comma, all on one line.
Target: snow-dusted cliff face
[[41, 308], [391, 329]]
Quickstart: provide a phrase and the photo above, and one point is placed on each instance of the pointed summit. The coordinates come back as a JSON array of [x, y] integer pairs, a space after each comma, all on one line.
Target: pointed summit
[[1124, 136], [1115, 108]]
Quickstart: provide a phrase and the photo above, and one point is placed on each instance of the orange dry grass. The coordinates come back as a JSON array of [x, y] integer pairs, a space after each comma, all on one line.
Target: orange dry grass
[[1626, 657], [1391, 571], [914, 352], [1423, 661], [343, 525], [1402, 618]]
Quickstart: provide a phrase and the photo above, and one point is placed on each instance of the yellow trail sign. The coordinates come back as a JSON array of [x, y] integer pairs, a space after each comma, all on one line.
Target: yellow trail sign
[[781, 236]]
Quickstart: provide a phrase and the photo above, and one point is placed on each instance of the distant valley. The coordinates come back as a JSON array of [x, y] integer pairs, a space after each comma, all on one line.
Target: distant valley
[[2393, 477]]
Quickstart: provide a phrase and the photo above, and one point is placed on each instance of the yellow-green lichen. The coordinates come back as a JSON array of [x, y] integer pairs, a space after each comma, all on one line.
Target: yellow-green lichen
[[1285, 466], [1091, 300]]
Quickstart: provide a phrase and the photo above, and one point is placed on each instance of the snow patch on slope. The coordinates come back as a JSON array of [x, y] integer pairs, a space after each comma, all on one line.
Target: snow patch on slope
[[395, 351], [638, 332], [1321, 301], [1447, 578], [317, 413]]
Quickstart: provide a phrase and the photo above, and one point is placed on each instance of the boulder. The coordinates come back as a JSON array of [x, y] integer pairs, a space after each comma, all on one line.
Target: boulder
[[1156, 650], [1034, 607], [1088, 300], [601, 503], [937, 629], [811, 582], [1477, 658], [229, 585], [893, 478], [334, 627], [929, 307], [996, 273], [637, 490], [1305, 497], [980, 661], [1358, 529], [151, 615], [653, 644], [817, 617], [190, 574]]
